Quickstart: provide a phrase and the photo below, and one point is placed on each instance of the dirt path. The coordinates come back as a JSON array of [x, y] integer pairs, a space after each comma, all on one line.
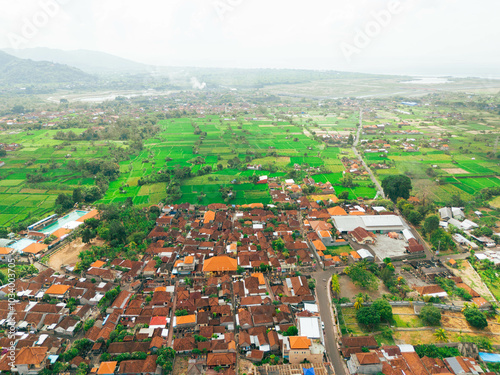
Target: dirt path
[[69, 253]]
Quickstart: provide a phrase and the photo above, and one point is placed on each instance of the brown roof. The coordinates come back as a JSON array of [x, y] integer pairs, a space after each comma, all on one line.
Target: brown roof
[[415, 364], [359, 342], [221, 359], [31, 356], [367, 358], [428, 289]]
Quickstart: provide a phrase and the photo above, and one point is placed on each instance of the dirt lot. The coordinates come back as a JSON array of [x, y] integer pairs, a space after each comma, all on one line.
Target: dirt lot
[[466, 272], [246, 367], [427, 337], [455, 170], [457, 321], [69, 253], [414, 337], [349, 290], [402, 310], [180, 365]]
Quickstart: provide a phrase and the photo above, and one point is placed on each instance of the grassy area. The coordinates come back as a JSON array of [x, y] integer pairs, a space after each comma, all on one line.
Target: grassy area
[[407, 321]]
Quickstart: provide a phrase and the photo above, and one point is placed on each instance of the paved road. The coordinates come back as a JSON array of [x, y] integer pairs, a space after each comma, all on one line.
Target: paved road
[[356, 141], [331, 336]]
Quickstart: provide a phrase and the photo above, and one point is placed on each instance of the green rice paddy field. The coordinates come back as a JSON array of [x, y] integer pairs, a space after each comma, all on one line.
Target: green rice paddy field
[[172, 147]]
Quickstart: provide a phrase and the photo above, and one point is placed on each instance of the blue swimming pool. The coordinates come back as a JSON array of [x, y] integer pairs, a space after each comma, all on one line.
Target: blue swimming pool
[[72, 216]]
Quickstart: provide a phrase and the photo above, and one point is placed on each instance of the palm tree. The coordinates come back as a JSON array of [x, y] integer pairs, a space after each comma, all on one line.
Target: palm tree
[[441, 334], [466, 306], [359, 302]]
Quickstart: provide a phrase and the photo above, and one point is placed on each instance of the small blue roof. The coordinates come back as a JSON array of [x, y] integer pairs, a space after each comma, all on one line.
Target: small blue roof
[[53, 358], [489, 357], [308, 371]]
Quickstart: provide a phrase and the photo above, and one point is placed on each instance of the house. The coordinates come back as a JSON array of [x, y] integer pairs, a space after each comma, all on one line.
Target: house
[[337, 211], [107, 368], [463, 365], [35, 249], [431, 291], [221, 263], [445, 213], [297, 349], [457, 213], [325, 237], [221, 359], [139, 366], [256, 167], [362, 236], [355, 256], [185, 321], [185, 266], [414, 247], [58, 291], [2, 163], [364, 363], [366, 255], [6, 253], [209, 217], [30, 360], [318, 245]]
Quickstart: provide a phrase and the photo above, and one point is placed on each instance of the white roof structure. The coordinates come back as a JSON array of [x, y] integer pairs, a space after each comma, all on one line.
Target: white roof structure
[[457, 213], [312, 307], [364, 254], [369, 222], [379, 208], [406, 348], [467, 224], [481, 256], [407, 234], [309, 327]]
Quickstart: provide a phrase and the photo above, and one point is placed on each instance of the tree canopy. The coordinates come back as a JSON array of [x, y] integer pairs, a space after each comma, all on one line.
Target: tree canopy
[[431, 314], [397, 186]]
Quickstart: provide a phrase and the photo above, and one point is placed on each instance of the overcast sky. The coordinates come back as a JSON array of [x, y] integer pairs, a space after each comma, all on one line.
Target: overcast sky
[[435, 37]]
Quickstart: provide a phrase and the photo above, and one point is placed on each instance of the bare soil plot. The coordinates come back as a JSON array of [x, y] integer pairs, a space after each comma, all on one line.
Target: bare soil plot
[[402, 310], [245, 366], [414, 337], [455, 170], [472, 279], [180, 365], [69, 253]]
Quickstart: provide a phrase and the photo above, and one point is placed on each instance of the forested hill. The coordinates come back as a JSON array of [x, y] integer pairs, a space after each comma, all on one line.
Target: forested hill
[[16, 71]]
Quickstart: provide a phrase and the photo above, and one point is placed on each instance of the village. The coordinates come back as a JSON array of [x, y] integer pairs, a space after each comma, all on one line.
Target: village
[[231, 289]]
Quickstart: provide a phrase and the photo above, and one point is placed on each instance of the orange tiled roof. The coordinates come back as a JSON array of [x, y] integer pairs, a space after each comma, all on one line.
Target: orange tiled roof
[[89, 215], [57, 289], [35, 248], [186, 319], [61, 232], [5, 250], [299, 342], [98, 264], [355, 255], [319, 245], [107, 367], [337, 211], [260, 276], [209, 216], [220, 263]]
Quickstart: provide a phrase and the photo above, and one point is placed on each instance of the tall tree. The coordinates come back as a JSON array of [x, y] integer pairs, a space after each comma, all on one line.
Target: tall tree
[[397, 186]]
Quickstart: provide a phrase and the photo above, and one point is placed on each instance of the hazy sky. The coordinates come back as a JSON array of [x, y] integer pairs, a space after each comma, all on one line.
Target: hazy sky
[[456, 37]]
